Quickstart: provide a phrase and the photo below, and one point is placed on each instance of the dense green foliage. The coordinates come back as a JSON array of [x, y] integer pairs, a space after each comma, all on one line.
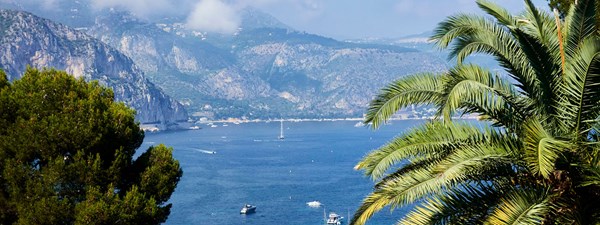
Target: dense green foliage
[[535, 159], [66, 156], [562, 6]]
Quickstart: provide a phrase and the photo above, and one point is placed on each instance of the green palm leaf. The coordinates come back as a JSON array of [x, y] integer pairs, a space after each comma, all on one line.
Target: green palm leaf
[[501, 14], [476, 90], [410, 90], [472, 34], [462, 205], [426, 141], [582, 87], [541, 148], [536, 162], [483, 159], [582, 24], [522, 206]]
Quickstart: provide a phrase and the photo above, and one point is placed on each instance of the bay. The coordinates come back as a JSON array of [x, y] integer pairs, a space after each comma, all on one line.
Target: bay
[[250, 165]]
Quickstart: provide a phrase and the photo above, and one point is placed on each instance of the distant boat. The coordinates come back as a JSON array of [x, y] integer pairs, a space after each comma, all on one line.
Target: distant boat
[[334, 219], [194, 128], [314, 204], [281, 130], [247, 209], [359, 124]]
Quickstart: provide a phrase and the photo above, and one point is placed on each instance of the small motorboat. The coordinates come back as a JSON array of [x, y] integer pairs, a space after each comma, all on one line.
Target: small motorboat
[[334, 219], [314, 204], [247, 209]]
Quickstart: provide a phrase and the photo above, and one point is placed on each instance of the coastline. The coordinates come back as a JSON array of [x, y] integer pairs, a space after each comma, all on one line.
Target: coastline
[[194, 125], [397, 118]]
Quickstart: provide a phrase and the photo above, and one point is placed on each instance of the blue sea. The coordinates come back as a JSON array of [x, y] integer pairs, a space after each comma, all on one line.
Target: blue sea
[[250, 165]]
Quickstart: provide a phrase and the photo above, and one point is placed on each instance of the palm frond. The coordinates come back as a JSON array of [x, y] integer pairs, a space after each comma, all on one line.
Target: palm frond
[[522, 206], [474, 34], [410, 90], [491, 157], [405, 190], [582, 24], [432, 138], [541, 25], [478, 91], [419, 184], [541, 148], [466, 204], [582, 88], [547, 69], [501, 14]]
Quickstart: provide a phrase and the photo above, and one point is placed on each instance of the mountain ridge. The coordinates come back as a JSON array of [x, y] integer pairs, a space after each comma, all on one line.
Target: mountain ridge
[[28, 40], [266, 71]]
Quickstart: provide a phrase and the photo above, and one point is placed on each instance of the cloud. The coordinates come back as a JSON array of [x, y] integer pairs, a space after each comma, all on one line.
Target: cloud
[[141, 8], [45, 4], [214, 16], [206, 15], [431, 8], [50, 4]]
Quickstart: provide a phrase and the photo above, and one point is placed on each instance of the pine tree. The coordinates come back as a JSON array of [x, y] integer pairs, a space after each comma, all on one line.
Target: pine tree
[[66, 156]]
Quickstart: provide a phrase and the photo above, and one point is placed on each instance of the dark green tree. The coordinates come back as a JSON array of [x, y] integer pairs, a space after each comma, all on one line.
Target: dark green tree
[[562, 6], [535, 159], [66, 156]]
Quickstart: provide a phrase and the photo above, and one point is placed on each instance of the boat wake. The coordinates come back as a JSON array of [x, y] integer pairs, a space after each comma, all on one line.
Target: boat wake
[[204, 151]]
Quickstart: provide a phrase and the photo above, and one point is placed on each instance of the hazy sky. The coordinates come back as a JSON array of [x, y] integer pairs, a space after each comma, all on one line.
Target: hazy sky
[[340, 19], [374, 18]]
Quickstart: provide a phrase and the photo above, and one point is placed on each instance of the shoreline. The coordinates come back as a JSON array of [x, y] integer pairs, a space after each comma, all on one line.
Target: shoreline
[[194, 125], [236, 120]]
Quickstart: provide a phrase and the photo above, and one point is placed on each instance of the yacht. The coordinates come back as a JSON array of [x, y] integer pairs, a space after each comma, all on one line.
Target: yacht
[[334, 219], [314, 204], [247, 209], [281, 130]]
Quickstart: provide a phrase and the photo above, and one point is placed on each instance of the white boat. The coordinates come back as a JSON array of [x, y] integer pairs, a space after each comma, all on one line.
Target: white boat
[[281, 130], [314, 204], [194, 128], [334, 219], [359, 124], [247, 209]]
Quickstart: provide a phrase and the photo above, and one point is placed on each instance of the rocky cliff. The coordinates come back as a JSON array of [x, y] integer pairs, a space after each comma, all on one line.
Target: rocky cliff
[[261, 72], [26, 39], [264, 70]]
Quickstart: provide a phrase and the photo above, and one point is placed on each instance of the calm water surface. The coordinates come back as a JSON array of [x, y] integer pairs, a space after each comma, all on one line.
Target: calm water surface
[[314, 162]]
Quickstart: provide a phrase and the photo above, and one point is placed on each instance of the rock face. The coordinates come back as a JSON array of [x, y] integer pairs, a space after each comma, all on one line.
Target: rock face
[[29, 40], [265, 70]]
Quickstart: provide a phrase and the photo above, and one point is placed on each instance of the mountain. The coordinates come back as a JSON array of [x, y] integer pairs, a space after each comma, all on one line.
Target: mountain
[[73, 13], [30, 40], [265, 70], [422, 43]]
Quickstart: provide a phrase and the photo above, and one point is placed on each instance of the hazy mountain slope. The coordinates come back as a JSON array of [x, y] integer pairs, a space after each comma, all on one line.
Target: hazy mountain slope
[[263, 72], [29, 40]]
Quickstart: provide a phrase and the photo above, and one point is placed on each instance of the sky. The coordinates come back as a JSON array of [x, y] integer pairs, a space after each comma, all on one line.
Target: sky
[[340, 19]]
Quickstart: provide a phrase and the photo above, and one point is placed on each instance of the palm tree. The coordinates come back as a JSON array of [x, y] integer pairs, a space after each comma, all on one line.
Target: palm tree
[[534, 159]]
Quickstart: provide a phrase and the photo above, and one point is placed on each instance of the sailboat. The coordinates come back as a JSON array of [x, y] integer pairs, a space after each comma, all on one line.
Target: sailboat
[[281, 130]]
